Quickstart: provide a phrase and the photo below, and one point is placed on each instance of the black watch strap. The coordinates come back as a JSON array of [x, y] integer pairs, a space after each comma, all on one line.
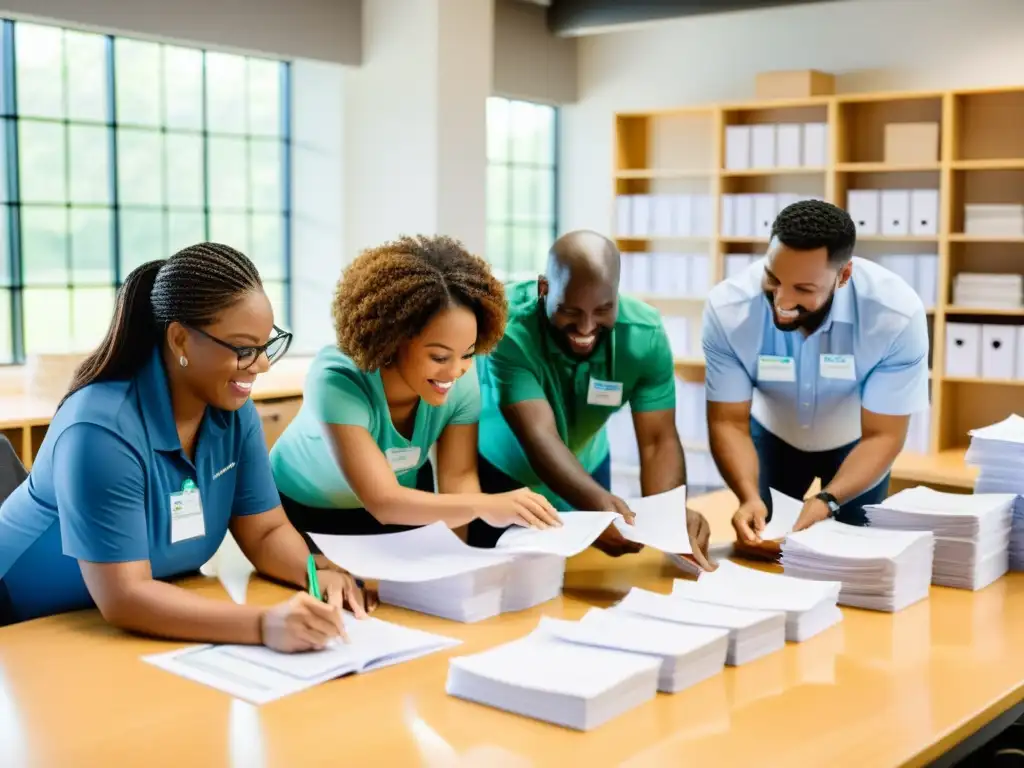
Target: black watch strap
[[830, 501]]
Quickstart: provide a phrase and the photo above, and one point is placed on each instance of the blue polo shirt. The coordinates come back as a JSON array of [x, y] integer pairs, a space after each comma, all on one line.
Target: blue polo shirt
[[871, 352], [100, 490]]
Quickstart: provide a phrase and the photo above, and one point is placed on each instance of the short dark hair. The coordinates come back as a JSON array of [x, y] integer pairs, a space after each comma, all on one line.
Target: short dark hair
[[389, 293], [192, 287], [812, 224]]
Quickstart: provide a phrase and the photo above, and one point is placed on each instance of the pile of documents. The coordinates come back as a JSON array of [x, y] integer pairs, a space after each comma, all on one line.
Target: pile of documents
[[810, 606], [540, 676], [880, 569], [998, 451], [972, 289], [752, 633], [972, 532], [258, 674]]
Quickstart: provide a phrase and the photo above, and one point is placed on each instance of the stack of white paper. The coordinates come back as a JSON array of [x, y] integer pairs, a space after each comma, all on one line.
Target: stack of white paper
[[998, 450], [880, 569], [538, 567], [752, 634], [810, 606], [972, 533], [426, 569], [259, 674], [563, 683], [688, 654]]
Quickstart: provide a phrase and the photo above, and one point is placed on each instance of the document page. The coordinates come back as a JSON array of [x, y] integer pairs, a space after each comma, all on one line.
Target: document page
[[579, 530], [660, 522], [785, 513]]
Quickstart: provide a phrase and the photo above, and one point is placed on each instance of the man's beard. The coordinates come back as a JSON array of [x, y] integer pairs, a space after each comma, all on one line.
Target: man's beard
[[808, 321]]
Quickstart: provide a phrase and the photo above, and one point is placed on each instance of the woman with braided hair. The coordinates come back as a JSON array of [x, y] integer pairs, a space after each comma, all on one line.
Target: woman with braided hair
[[410, 315], [154, 453]]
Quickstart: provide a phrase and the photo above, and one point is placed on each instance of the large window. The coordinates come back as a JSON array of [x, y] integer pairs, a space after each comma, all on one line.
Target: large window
[[522, 151], [117, 151]]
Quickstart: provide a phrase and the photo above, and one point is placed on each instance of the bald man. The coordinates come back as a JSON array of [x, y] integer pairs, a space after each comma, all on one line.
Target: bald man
[[574, 353]]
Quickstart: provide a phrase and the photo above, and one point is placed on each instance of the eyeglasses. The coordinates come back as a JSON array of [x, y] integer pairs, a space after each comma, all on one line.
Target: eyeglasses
[[274, 349]]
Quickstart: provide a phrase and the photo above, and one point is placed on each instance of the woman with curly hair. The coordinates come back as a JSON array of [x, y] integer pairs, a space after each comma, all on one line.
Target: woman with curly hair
[[410, 315]]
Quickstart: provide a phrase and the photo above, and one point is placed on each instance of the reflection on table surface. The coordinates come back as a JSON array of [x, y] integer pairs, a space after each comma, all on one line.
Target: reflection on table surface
[[916, 681]]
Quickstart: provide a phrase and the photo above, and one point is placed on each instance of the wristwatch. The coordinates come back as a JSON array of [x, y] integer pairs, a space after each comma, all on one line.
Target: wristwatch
[[830, 502]]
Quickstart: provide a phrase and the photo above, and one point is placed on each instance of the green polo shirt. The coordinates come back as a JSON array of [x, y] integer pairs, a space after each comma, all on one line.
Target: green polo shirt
[[529, 365], [338, 392]]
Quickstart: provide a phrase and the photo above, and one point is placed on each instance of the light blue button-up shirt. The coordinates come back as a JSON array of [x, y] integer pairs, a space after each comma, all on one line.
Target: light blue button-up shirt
[[876, 318]]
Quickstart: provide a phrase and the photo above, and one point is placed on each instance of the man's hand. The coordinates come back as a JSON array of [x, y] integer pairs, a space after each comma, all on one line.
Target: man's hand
[[815, 510], [749, 521], [700, 538], [614, 544], [613, 503]]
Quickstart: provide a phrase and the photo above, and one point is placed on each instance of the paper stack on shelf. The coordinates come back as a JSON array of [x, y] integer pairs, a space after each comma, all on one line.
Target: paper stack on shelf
[[547, 679], [972, 532], [538, 566], [428, 569], [688, 654], [810, 606], [752, 634], [998, 451], [883, 570], [994, 219], [258, 674], [988, 290]]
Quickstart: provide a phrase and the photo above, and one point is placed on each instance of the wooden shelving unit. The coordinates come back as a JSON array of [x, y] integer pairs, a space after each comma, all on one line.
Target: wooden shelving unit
[[980, 160]]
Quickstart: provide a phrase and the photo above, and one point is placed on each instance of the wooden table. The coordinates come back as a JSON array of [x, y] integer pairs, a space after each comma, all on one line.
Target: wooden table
[[878, 690]]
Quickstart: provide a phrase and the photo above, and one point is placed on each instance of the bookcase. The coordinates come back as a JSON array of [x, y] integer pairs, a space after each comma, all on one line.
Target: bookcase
[[689, 198]]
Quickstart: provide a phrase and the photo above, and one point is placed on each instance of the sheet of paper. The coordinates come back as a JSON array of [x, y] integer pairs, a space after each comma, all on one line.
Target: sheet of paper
[[422, 554], [633, 633], [1009, 430], [578, 531], [660, 522], [739, 587], [673, 608], [785, 512]]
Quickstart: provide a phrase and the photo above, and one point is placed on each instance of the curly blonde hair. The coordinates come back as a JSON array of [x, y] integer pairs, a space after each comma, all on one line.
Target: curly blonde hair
[[388, 294]]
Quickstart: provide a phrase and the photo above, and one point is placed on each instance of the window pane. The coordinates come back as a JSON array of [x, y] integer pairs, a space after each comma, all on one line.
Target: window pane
[[531, 126], [268, 246], [523, 191], [183, 87], [89, 148], [142, 238], [230, 229], [267, 171], [229, 176], [275, 291], [139, 167], [185, 174], [544, 188], [5, 261], [6, 345], [497, 244], [497, 193], [138, 82], [87, 75], [497, 129], [184, 229], [42, 172], [264, 97], [3, 158], [47, 320], [91, 250], [92, 309], [225, 93], [44, 246], [39, 67], [542, 137]]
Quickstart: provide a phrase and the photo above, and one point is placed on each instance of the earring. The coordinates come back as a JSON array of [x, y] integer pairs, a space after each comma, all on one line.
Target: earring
[[183, 361]]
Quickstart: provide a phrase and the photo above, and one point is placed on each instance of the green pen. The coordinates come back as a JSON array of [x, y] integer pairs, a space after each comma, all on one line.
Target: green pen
[[311, 579]]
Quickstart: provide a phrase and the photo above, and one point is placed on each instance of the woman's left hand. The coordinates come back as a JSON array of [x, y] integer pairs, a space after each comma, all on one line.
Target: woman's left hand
[[340, 589]]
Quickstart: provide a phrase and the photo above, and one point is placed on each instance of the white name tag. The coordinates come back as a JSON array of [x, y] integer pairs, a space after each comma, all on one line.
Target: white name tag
[[402, 459], [604, 393], [775, 368], [837, 367], [187, 520]]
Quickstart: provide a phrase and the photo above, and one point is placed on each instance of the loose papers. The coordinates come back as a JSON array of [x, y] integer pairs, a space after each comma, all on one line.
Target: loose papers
[[998, 450], [660, 522]]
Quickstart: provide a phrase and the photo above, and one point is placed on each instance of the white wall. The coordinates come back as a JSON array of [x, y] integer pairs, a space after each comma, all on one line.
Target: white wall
[[871, 44]]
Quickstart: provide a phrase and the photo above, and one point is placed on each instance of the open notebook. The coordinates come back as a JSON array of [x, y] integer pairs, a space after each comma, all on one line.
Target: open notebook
[[258, 674]]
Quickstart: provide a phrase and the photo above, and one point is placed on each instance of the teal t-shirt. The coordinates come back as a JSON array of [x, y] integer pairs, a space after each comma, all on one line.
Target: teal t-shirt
[[633, 364], [338, 392]]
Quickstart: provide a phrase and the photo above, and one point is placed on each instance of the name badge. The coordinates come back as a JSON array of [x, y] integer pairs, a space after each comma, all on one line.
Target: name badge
[[775, 368], [187, 520], [607, 393], [403, 459], [837, 367]]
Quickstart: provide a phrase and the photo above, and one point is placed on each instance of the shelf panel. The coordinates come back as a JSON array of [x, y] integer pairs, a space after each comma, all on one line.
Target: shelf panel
[[887, 168], [745, 240], [993, 311], [664, 173], [773, 171], [1008, 164], [993, 382], [960, 237], [898, 238]]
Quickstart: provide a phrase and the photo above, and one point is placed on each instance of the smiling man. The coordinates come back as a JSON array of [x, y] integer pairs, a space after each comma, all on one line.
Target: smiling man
[[815, 362], [574, 352]]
